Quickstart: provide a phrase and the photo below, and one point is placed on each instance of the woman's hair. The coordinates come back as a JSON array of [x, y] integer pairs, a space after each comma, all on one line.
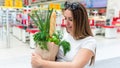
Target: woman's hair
[[80, 20]]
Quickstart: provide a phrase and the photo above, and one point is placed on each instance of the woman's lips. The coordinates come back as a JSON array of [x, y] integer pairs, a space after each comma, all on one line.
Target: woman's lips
[[69, 26]]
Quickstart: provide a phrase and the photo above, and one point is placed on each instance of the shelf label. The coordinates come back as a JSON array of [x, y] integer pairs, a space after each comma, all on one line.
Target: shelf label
[[18, 3], [55, 6], [51, 6], [8, 3]]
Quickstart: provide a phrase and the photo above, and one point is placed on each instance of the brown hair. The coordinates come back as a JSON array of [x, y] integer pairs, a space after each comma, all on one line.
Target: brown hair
[[81, 24]]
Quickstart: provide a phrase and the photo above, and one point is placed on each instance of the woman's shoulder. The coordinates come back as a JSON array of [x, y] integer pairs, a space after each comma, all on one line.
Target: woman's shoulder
[[89, 43], [89, 39], [67, 36]]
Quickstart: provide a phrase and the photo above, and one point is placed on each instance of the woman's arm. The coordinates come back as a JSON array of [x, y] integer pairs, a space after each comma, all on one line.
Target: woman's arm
[[81, 59]]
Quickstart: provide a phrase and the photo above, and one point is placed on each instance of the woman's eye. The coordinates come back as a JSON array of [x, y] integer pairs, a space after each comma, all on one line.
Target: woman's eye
[[65, 18], [70, 19]]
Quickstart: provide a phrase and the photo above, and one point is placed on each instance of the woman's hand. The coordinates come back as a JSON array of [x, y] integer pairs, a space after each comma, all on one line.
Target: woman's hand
[[36, 60]]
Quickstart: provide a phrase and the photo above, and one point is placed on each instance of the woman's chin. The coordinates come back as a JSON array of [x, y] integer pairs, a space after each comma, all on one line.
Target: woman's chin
[[69, 31]]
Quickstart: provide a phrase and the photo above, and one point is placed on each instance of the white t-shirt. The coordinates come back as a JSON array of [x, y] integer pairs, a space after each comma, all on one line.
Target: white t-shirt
[[76, 45]]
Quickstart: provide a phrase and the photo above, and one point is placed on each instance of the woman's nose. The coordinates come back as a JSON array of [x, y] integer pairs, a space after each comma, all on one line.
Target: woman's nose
[[66, 22]]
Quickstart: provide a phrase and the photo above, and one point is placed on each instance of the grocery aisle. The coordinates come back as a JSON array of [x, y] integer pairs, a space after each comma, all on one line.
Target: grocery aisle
[[108, 52], [19, 54], [107, 47], [108, 63]]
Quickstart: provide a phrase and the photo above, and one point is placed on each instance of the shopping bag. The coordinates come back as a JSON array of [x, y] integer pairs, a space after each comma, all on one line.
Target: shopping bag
[[49, 54]]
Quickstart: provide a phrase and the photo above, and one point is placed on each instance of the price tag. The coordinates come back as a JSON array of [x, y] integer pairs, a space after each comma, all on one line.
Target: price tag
[[18, 3], [57, 6], [8, 3], [51, 6]]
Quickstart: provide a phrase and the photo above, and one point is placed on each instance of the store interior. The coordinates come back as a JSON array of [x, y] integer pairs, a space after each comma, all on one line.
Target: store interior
[[17, 29]]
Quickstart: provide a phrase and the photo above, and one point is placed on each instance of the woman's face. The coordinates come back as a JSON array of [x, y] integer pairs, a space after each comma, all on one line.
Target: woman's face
[[69, 21]]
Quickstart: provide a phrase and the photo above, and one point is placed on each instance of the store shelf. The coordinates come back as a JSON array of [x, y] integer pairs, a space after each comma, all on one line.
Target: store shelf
[[47, 2]]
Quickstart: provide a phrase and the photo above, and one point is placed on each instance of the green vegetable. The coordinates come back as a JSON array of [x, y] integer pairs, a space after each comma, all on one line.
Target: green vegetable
[[65, 45], [41, 38]]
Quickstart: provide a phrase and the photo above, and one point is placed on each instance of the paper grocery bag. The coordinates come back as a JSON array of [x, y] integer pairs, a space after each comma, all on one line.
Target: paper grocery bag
[[49, 54]]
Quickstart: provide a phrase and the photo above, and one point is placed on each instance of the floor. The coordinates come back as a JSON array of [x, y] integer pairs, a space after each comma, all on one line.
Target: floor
[[18, 54], [108, 63]]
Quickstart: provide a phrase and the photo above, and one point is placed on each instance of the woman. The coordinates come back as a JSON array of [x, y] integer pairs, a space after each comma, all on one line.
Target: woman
[[79, 35]]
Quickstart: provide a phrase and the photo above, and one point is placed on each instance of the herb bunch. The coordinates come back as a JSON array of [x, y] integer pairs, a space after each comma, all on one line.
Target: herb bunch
[[43, 36]]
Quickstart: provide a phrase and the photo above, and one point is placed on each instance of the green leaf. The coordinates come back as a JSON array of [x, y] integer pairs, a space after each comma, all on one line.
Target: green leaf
[[65, 45], [33, 19], [39, 20]]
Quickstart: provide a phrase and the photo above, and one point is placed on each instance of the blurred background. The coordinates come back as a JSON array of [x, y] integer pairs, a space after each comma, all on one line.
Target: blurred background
[[17, 30]]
